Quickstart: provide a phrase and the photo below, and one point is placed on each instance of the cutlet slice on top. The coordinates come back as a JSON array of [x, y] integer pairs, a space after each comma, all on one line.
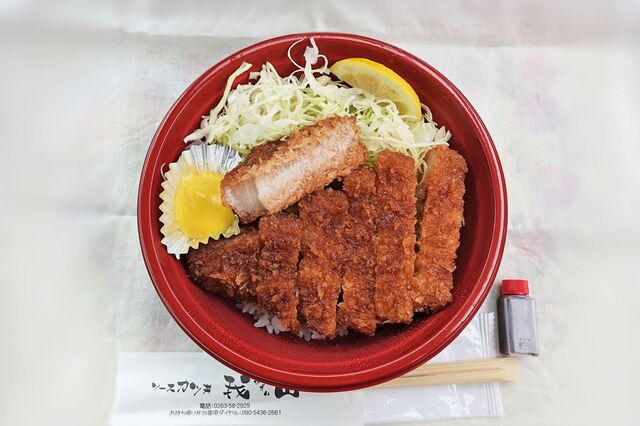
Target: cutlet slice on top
[[275, 278], [226, 266], [283, 172], [357, 310], [323, 214], [395, 236], [439, 229]]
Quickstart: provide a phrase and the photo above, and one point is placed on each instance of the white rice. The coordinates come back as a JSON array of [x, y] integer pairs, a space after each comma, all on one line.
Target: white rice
[[273, 324]]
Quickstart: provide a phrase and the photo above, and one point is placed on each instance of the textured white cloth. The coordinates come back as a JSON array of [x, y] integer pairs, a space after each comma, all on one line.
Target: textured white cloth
[[556, 85]]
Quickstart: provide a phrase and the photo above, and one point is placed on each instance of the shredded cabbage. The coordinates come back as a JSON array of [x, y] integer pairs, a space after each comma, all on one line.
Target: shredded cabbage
[[271, 107]]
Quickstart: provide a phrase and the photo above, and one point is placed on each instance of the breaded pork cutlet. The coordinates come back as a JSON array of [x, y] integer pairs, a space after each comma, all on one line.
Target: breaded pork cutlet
[[281, 173], [357, 310], [226, 266], [323, 214], [395, 236], [439, 229], [275, 278]]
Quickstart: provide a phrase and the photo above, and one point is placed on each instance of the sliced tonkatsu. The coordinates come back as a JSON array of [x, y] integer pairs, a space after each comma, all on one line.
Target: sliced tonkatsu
[[323, 216], [275, 278], [346, 258], [395, 236], [439, 229], [226, 266], [357, 310], [279, 174]]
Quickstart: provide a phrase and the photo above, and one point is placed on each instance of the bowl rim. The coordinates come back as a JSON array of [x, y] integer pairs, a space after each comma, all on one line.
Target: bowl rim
[[329, 382]]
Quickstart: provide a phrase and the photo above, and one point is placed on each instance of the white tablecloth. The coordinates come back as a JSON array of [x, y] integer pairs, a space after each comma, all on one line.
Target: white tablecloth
[[84, 89]]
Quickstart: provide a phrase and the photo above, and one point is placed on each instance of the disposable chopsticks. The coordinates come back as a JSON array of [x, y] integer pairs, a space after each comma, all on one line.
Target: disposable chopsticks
[[485, 370]]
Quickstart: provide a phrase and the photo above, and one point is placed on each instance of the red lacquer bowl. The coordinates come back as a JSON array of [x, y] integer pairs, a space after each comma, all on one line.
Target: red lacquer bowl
[[354, 361]]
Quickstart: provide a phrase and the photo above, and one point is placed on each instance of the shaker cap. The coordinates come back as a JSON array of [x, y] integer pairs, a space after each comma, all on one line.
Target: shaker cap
[[515, 287]]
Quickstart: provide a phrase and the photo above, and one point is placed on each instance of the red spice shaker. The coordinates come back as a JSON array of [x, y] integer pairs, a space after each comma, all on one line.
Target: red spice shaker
[[517, 319]]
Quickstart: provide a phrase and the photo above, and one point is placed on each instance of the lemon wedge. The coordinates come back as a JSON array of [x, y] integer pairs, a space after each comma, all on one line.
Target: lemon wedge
[[381, 82]]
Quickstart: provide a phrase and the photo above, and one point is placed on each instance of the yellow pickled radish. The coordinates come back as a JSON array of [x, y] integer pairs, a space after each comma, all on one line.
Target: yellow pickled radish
[[192, 209], [198, 207]]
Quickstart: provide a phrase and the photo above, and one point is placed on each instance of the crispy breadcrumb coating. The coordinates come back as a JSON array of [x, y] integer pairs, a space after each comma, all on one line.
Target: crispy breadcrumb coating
[[226, 266], [439, 229], [357, 310], [395, 236], [275, 278], [323, 216]]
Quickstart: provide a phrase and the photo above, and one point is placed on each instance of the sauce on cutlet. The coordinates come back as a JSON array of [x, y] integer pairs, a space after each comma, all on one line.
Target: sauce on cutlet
[[439, 229], [323, 214], [280, 236], [357, 310], [358, 241], [395, 236], [226, 266]]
